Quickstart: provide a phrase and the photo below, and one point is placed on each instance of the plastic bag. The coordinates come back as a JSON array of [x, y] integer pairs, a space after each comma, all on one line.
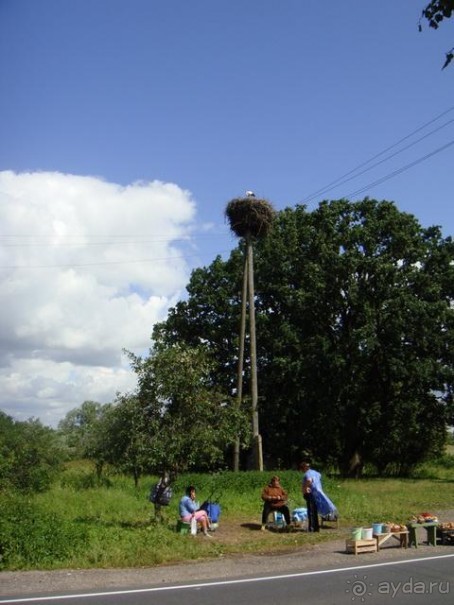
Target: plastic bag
[[160, 494], [193, 526], [299, 514]]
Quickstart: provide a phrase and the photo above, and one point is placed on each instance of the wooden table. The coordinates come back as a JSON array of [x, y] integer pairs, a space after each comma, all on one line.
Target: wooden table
[[401, 536], [431, 530]]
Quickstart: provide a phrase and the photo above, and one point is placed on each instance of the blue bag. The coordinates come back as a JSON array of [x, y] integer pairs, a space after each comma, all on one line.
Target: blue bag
[[213, 510]]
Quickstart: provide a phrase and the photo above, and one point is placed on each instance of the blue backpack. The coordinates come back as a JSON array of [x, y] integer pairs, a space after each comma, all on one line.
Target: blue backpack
[[213, 510]]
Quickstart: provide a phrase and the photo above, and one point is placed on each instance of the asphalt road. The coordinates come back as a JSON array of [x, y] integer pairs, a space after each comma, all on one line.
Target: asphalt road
[[425, 579]]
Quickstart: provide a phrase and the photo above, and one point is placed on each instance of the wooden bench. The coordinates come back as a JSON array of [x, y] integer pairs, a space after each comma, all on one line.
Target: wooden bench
[[401, 536]]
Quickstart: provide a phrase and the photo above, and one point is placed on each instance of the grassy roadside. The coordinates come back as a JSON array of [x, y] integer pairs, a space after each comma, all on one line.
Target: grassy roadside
[[78, 524]]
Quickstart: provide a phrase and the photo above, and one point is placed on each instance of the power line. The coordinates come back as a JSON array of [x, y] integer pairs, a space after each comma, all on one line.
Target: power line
[[111, 242], [120, 262], [337, 181], [400, 170], [342, 182]]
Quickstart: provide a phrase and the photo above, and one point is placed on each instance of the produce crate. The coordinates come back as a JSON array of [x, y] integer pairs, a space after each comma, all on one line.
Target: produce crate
[[357, 547]]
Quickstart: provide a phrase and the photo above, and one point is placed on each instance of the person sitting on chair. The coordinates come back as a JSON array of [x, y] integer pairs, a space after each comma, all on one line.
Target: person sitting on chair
[[274, 499], [189, 509]]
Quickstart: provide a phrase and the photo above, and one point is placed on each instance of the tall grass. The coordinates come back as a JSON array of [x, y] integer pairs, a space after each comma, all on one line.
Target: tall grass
[[83, 523]]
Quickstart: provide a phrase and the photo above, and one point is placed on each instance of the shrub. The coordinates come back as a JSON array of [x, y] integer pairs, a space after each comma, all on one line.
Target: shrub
[[30, 455], [82, 480], [31, 536]]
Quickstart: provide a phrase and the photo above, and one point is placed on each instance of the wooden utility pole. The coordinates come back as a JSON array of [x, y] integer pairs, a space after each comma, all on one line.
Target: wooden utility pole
[[239, 381], [257, 439], [249, 218]]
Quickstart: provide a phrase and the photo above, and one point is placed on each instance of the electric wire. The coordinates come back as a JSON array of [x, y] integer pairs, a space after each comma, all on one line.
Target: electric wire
[[116, 242], [338, 180], [389, 157], [400, 170], [104, 263], [110, 243]]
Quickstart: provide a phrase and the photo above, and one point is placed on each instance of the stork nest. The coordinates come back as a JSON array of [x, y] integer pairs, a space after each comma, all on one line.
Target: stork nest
[[250, 216]]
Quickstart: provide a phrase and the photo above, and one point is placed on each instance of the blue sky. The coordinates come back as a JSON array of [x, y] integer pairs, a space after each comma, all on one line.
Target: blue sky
[[127, 125]]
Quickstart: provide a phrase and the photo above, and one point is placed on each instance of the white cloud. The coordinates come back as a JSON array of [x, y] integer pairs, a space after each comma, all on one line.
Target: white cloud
[[86, 269]]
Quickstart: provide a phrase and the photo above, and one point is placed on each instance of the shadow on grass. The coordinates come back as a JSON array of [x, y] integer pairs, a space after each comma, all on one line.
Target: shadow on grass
[[252, 526], [276, 530], [91, 520]]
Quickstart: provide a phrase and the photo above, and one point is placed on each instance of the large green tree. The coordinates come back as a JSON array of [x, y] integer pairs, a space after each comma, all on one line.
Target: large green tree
[[355, 325], [209, 317], [361, 296]]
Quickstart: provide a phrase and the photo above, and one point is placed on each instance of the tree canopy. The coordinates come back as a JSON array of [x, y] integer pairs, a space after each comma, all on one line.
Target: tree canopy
[[354, 353], [176, 420], [354, 321], [189, 420]]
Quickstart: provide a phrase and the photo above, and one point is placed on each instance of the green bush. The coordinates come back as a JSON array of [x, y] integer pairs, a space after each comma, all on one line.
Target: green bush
[[81, 480], [30, 455], [446, 461], [32, 537]]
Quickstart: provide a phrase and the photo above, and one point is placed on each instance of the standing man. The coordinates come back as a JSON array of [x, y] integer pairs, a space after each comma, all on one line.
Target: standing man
[[311, 484]]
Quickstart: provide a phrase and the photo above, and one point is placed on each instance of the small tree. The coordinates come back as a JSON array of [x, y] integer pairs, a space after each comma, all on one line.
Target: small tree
[[84, 432], [30, 455], [188, 422]]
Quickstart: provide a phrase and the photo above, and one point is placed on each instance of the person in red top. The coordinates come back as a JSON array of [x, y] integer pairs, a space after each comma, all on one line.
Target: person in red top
[[274, 499]]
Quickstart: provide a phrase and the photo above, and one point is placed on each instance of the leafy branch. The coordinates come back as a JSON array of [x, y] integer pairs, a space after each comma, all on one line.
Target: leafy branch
[[436, 12]]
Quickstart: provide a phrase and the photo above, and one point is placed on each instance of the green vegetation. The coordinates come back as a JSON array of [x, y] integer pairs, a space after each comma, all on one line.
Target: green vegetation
[[355, 362], [354, 356], [30, 455], [79, 523], [354, 335]]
